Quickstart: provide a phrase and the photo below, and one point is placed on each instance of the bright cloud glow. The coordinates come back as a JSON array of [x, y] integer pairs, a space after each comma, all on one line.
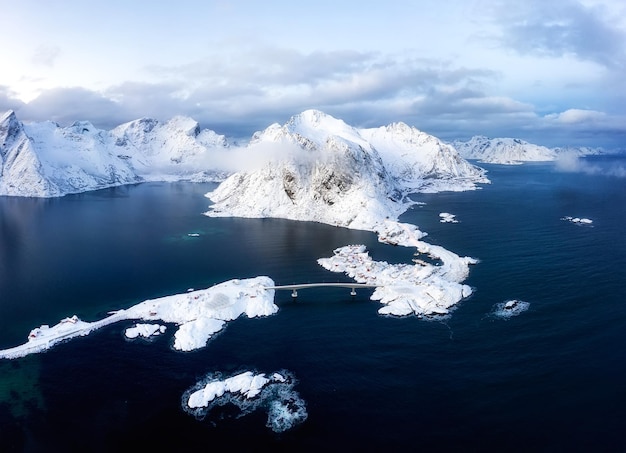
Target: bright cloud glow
[[531, 70]]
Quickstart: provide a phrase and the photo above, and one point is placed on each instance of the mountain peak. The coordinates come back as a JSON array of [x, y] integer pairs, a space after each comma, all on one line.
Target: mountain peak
[[82, 127], [9, 115], [9, 129], [184, 124], [315, 119]]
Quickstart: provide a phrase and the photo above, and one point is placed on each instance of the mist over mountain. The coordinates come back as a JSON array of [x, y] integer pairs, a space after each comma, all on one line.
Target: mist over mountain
[[334, 173]]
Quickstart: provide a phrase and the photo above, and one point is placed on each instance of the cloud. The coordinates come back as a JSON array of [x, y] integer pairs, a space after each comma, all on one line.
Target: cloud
[[571, 163], [586, 120], [563, 28], [9, 100], [66, 105], [234, 88], [577, 116], [238, 92]]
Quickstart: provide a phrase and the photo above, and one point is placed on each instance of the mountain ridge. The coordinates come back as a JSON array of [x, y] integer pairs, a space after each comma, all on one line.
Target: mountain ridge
[[46, 160]]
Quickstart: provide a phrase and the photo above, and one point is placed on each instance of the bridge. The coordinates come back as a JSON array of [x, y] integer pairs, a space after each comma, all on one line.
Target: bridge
[[294, 288]]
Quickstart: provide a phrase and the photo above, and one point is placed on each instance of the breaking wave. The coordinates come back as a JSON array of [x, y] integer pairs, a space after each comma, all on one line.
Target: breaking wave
[[510, 308]]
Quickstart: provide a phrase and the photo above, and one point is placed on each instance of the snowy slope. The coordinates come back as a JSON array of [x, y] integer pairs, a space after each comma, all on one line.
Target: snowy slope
[[313, 153], [331, 172], [508, 151], [325, 172], [177, 149], [421, 161], [45, 160]]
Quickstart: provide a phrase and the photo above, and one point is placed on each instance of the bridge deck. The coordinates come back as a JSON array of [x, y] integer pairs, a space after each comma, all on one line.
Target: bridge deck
[[319, 285], [294, 288]]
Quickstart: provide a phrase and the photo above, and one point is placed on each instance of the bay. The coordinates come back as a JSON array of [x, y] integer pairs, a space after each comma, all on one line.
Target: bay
[[550, 379]]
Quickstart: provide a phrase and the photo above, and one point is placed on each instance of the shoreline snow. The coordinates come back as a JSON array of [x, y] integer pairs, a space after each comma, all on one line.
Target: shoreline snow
[[198, 314]]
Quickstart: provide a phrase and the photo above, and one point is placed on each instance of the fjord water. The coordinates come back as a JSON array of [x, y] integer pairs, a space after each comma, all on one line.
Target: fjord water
[[550, 379]]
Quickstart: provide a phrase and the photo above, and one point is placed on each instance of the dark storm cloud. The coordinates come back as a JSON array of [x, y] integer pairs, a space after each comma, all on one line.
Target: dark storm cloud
[[563, 27]]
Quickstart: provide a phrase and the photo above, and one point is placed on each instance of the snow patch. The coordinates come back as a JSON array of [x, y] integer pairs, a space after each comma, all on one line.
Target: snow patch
[[144, 330], [448, 218]]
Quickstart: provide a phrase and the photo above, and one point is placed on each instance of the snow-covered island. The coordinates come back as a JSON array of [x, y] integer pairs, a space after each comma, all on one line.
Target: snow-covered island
[[405, 289], [446, 217], [333, 173], [198, 314], [249, 391]]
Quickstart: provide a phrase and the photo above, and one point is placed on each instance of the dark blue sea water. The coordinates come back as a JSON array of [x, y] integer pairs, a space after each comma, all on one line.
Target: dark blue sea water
[[551, 379]]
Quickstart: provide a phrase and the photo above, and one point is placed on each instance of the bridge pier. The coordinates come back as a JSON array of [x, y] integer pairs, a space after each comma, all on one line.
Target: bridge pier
[[295, 287]]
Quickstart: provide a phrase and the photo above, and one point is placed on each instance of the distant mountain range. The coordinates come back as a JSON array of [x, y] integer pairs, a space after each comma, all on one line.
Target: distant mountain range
[[511, 151], [46, 160]]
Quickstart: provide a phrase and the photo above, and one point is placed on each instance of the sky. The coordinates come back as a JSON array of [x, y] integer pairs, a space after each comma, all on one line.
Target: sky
[[550, 72]]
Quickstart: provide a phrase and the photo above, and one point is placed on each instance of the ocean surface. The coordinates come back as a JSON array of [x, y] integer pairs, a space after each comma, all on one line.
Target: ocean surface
[[552, 378]]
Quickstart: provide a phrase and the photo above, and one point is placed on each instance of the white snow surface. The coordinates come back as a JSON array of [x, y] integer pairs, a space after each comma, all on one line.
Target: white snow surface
[[247, 384], [176, 149], [405, 289], [199, 314], [422, 162], [46, 160], [446, 217], [507, 151], [144, 330], [249, 391]]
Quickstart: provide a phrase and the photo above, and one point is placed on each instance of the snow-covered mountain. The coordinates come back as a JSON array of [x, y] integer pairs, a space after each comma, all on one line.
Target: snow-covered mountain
[[325, 172], [46, 160], [313, 155], [172, 150], [508, 151], [334, 173], [422, 162]]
